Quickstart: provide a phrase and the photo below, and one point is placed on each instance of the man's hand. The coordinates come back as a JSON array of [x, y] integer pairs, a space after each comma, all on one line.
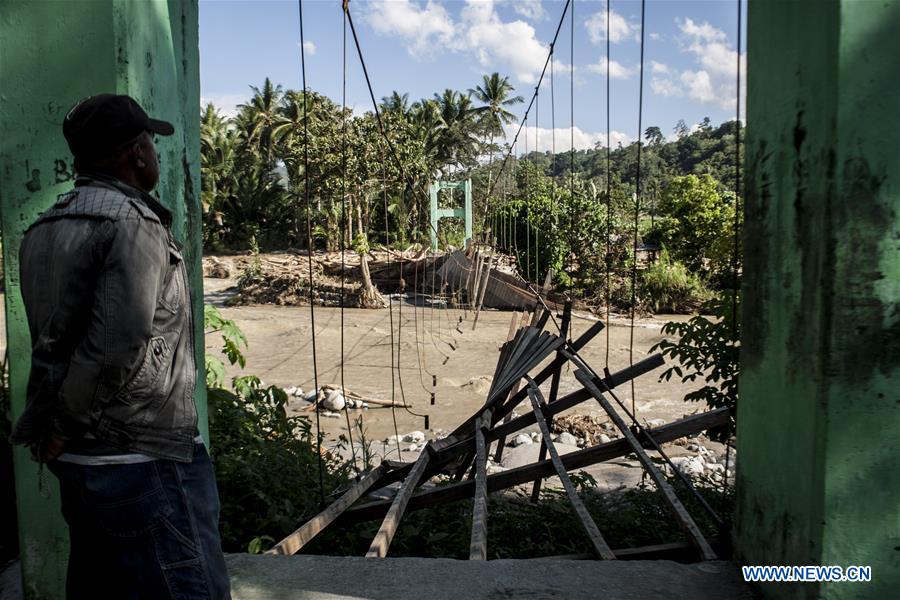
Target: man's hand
[[48, 449]]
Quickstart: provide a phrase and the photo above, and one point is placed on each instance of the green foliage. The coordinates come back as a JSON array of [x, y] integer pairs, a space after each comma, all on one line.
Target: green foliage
[[696, 224], [266, 462], [232, 341], [707, 349], [667, 286]]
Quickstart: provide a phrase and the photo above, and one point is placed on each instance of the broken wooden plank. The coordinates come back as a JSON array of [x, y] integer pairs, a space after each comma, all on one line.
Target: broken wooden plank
[[482, 290], [548, 371], [461, 442], [573, 399], [677, 508], [574, 460], [590, 527], [385, 535], [299, 538], [478, 543], [554, 391], [513, 324]]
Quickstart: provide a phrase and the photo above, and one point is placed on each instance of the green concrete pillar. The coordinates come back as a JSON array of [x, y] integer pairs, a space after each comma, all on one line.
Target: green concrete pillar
[[818, 479], [464, 212], [51, 55]]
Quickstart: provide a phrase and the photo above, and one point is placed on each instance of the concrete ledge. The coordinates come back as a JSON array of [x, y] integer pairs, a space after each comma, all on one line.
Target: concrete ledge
[[352, 578]]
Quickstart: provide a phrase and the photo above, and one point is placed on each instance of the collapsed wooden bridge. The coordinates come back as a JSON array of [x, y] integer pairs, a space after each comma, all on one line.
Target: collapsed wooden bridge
[[463, 454]]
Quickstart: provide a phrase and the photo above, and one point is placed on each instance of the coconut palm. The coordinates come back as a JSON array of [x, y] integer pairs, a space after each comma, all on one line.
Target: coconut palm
[[396, 103], [495, 95], [261, 115], [457, 139]]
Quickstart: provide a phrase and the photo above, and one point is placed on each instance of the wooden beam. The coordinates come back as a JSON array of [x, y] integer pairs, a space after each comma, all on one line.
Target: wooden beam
[[483, 289], [460, 442], [574, 460], [570, 400], [554, 391], [299, 538], [675, 506], [590, 527], [385, 535], [478, 542]]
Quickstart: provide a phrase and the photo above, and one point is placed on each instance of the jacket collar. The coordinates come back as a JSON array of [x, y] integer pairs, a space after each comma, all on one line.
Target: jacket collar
[[103, 180]]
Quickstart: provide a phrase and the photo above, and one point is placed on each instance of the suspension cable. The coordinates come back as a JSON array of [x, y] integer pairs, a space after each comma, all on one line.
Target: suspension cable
[[736, 249], [387, 241], [309, 251], [537, 230], [344, 233], [608, 189], [637, 207], [572, 214]]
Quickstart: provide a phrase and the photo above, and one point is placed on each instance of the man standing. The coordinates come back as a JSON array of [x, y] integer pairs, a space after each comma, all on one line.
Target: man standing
[[110, 404]]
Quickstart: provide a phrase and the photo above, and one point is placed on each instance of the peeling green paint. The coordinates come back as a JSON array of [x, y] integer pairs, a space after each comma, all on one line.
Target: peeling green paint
[[819, 415], [51, 55]]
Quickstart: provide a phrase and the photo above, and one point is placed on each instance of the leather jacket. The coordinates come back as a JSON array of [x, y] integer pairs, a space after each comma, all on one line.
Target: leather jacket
[[108, 303]]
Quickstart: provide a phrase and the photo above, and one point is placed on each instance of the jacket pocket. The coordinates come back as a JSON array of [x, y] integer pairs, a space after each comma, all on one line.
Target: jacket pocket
[[142, 384], [172, 295]]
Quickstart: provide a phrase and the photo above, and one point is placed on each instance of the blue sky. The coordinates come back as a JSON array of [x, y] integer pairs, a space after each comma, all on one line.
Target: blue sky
[[424, 46]]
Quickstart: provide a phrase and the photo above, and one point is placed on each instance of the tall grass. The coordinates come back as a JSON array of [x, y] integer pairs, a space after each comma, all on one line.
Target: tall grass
[[668, 287]]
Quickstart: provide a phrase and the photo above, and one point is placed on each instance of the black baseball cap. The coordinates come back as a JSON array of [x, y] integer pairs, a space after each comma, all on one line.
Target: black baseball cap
[[98, 125]]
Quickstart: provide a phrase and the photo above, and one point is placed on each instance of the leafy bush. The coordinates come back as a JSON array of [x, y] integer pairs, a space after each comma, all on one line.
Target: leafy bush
[[252, 272], [667, 286], [232, 340], [267, 463], [696, 223], [707, 348]]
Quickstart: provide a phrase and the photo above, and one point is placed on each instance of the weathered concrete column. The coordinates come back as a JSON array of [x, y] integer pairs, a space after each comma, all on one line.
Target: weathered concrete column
[[51, 55], [819, 415]]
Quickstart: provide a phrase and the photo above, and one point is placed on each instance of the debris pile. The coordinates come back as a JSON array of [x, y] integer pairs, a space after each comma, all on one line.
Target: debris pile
[[330, 398], [283, 280], [590, 429]]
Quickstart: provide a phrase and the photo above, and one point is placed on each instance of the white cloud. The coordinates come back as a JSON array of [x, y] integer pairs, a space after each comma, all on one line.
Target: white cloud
[[496, 44], [530, 9], [620, 28], [423, 26], [309, 47], [512, 44], [656, 37], [226, 103], [616, 70], [658, 67], [713, 82], [705, 32], [664, 86], [584, 140]]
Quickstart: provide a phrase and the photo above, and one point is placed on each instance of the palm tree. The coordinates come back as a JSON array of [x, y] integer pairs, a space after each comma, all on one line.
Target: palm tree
[[396, 103], [457, 139], [495, 95], [261, 114], [218, 149], [287, 127]]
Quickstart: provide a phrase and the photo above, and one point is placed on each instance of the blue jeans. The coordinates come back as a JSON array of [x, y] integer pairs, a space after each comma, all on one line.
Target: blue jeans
[[146, 530]]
